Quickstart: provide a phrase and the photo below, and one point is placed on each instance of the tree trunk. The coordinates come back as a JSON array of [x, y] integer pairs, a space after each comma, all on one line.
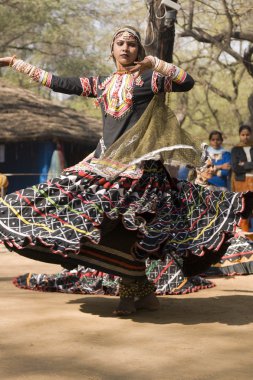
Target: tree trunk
[[160, 32], [250, 105]]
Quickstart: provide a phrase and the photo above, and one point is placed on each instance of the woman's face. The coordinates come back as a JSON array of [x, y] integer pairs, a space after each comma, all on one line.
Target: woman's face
[[125, 51], [206, 172], [209, 170], [245, 136], [216, 141]]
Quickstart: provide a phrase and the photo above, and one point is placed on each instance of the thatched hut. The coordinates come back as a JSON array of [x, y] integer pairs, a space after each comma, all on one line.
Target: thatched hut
[[30, 128]]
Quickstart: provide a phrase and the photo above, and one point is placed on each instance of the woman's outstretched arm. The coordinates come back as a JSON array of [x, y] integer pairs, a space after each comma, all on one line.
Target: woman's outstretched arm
[[73, 86]]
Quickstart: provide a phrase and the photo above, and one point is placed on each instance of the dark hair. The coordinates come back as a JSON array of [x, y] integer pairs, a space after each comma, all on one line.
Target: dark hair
[[244, 126], [215, 133]]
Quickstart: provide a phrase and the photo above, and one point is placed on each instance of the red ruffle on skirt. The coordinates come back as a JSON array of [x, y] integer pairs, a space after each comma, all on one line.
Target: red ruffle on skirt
[[81, 218]]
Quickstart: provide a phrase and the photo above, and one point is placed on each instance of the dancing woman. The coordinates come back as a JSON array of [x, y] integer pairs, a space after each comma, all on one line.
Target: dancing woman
[[114, 210]]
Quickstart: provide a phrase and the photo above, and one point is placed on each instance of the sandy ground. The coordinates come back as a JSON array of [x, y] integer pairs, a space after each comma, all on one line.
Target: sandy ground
[[202, 336]]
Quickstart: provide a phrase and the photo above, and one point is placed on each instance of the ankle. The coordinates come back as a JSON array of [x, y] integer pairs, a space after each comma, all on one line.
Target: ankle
[[128, 289], [145, 288]]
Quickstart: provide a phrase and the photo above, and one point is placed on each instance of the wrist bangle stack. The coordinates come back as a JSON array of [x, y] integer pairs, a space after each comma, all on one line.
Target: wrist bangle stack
[[162, 67], [167, 69], [152, 60], [35, 73]]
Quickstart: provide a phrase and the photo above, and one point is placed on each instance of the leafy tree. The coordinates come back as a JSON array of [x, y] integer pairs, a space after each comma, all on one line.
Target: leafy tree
[[218, 49], [213, 41], [68, 37]]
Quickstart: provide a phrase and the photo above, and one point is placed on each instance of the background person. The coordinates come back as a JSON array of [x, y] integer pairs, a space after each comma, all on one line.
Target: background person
[[221, 160], [242, 161], [242, 167]]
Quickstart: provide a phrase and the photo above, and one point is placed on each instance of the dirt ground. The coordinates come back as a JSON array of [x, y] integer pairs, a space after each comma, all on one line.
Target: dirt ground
[[206, 335]]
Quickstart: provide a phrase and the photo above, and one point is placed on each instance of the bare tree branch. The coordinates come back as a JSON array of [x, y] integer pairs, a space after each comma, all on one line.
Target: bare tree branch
[[191, 13], [230, 23], [215, 90]]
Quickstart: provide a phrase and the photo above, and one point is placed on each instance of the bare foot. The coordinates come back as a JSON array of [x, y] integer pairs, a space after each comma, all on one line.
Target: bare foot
[[125, 307], [149, 302]]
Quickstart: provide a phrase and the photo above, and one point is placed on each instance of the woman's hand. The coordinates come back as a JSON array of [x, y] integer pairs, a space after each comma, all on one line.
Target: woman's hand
[[141, 66], [226, 166], [6, 61]]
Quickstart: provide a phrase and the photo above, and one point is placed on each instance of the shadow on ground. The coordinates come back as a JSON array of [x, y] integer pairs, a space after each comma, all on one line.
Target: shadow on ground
[[230, 310]]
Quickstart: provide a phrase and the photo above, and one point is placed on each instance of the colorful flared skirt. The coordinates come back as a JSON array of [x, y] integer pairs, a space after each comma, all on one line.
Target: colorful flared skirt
[[115, 226], [238, 259], [167, 275]]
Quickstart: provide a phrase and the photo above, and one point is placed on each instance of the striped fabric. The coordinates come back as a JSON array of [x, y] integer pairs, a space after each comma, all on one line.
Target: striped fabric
[[81, 219], [167, 276]]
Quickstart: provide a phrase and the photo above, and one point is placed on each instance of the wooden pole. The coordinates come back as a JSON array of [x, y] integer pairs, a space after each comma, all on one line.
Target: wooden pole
[[160, 34]]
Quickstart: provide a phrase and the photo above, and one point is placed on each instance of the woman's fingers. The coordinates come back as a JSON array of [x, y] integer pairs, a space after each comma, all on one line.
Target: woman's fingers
[[5, 61], [140, 67], [135, 68]]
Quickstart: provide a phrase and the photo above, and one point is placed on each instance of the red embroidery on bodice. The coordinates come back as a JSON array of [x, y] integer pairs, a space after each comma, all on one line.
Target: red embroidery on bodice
[[117, 96]]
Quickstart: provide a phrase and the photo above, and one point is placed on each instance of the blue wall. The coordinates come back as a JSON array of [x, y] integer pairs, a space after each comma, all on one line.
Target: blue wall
[[35, 157], [27, 157]]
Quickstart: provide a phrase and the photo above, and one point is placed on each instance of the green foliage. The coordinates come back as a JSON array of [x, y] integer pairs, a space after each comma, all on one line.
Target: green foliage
[[58, 35], [72, 38], [216, 36], [69, 38], [66, 37]]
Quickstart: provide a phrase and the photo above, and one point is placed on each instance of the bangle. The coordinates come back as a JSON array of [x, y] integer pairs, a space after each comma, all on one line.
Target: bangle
[[152, 60], [164, 68], [12, 59]]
